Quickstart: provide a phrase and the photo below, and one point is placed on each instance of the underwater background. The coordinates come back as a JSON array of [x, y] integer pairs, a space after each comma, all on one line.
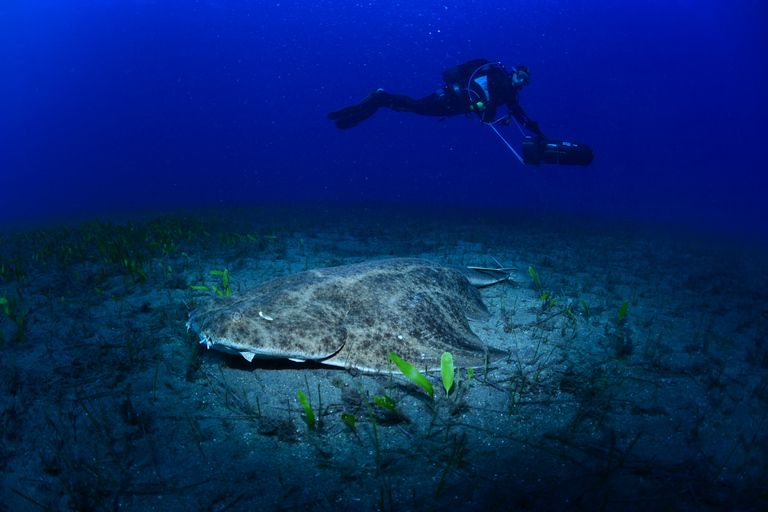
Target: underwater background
[[160, 157], [125, 105]]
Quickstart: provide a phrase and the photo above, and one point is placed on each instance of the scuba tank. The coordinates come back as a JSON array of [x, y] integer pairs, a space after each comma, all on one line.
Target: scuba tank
[[458, 80], [463, 72]]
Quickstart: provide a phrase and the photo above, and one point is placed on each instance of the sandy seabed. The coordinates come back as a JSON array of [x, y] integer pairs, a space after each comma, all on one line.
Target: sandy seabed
[[637, 376]]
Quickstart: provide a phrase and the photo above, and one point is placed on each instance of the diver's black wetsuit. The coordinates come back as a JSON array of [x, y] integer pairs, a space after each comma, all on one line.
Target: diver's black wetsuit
[[478, 86]]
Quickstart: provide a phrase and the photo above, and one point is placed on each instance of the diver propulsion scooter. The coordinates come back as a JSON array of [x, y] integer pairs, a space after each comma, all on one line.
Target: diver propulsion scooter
[[537, 151]]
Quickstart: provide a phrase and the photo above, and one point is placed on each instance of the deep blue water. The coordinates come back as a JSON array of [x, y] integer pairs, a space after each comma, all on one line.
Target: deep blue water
[[136, 105]]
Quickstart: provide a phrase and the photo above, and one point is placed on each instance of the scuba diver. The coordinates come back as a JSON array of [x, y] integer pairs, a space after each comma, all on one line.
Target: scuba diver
[[477, 87]]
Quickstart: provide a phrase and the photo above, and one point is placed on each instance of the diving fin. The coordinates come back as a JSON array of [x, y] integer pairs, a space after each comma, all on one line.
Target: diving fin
[[353, 115]]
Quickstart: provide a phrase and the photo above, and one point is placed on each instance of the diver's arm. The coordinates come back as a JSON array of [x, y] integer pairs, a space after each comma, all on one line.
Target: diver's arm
[[518, 113]]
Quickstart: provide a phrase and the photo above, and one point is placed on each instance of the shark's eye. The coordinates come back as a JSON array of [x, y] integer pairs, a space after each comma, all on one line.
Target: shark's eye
[[237, 316]]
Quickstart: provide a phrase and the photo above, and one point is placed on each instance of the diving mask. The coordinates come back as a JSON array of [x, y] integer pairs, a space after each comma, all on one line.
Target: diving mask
[[520, 78]]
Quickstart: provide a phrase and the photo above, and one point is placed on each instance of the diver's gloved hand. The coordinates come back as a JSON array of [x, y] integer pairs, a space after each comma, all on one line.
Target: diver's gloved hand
[[503, 122]]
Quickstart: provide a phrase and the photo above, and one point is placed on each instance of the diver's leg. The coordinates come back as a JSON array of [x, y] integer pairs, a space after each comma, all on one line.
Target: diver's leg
[[431, 105]]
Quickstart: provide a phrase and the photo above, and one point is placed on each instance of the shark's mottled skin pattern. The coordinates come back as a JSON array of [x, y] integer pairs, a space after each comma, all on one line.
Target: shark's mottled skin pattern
[[352, 316]]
